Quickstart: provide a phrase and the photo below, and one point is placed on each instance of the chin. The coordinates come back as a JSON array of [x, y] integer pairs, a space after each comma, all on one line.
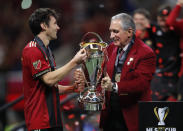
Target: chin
[[54, 38], [117, 44]]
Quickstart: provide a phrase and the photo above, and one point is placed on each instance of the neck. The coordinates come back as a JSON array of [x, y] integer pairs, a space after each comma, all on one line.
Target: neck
[[44, 38], [142, 35], [126, 43]]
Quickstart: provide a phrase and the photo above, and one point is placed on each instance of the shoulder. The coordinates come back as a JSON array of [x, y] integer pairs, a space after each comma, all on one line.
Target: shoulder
[[31, 49], [111, 48], [153, 29], [143, 49]]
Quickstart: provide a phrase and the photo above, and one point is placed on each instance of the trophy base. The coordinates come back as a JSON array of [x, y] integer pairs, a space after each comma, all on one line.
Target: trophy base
[[92, 106], [91, 100]]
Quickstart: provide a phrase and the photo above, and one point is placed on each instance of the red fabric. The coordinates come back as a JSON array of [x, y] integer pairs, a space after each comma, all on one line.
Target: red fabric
[[171, 98], [135, 81], [14, 91], [178, 26], [11, 97], [141, 35]]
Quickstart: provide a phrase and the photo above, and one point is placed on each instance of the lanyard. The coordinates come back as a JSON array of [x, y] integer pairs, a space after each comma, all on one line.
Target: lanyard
[[120, 61], [46, 52]]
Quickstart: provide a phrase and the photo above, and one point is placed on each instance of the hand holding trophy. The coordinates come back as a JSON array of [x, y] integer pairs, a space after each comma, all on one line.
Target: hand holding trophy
[[92, 71]]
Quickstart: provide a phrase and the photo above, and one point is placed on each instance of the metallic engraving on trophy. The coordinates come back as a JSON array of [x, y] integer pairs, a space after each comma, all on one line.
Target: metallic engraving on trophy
[[94, 68], [161, 114]]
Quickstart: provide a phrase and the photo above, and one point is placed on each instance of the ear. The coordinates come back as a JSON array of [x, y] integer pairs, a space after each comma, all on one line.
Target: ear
[[130, 32], [43, 26]]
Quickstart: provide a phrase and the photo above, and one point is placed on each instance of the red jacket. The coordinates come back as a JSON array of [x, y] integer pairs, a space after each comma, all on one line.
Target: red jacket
[[135, 81]]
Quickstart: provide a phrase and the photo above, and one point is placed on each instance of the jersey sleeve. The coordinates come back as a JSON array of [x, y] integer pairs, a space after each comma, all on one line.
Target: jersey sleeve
[[35, 61]]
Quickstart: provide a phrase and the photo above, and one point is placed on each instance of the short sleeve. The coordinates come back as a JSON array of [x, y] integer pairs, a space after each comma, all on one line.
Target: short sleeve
[[35, 61]]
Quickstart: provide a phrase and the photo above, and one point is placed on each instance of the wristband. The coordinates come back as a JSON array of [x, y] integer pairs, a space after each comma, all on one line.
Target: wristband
[[115, 88]]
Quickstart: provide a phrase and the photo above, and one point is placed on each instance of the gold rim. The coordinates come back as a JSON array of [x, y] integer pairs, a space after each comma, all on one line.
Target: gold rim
[[90, 43]]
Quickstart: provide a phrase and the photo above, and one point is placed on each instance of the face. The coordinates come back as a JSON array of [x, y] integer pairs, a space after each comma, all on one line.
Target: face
[[140, 21], [52, 29], [161, 20], [119, 36]]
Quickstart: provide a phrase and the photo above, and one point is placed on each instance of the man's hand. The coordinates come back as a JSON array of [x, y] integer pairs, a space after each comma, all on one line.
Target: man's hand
[[80, 56], [79, 81], [106, 83], [79, 87]]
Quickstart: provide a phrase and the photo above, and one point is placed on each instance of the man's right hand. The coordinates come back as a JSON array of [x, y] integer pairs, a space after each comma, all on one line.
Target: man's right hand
[[80, 56], [79, 80]]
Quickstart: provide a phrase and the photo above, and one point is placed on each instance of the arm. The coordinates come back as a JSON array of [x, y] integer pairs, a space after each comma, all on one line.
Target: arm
[[66, 89], [171, 20], [77, 87], [51, 78]]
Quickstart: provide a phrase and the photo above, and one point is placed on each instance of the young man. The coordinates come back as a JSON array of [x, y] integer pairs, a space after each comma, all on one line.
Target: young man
[[40, 78], [141, 18]]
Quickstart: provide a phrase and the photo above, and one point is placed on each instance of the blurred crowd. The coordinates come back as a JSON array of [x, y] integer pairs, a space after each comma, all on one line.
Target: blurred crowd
[[79, 17]]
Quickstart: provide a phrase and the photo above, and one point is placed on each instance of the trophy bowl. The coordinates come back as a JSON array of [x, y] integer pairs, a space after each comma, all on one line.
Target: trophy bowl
[[94, 69]]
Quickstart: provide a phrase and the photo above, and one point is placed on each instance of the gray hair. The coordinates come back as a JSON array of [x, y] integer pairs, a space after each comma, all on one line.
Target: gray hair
[[126, 21]]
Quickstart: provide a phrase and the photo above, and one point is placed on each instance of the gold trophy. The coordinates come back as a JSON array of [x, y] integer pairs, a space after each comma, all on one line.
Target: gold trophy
[[94, 68]]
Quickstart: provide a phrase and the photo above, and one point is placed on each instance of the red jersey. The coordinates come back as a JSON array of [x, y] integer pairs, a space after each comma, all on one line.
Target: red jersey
[[42, 107]]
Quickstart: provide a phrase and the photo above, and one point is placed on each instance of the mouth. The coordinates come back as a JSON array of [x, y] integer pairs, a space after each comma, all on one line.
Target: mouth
[[115, 40]]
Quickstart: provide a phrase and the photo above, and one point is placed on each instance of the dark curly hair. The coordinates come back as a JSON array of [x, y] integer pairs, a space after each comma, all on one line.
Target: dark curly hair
[[41, 15]]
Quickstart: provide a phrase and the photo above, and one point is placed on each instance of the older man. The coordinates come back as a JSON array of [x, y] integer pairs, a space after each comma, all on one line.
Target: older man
[[130, 68]]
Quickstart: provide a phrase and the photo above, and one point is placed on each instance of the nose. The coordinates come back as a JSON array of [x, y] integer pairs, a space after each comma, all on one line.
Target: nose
[[136, 20], [58, 28], [111, 35]]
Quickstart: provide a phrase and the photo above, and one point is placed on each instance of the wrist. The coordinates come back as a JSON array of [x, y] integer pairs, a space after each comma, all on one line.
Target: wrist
[[114, 88], [73, 62], [74, 87]]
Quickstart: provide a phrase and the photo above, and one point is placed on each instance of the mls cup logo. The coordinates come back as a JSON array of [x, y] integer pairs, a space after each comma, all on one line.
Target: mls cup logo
[[161, 114]]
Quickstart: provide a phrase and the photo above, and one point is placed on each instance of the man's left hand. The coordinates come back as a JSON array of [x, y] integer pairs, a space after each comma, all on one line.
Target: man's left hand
[[79, 81]]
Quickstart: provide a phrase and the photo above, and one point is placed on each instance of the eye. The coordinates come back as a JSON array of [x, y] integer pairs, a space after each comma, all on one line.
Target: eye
[[114, 31]]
